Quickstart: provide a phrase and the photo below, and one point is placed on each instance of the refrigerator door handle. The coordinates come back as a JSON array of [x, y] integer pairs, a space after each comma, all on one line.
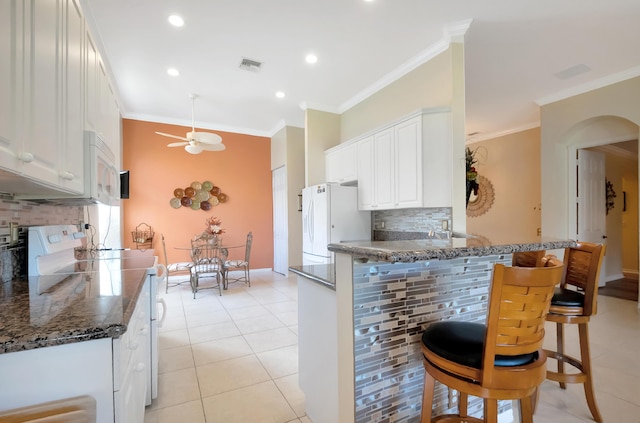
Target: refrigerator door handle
[[311, 226]]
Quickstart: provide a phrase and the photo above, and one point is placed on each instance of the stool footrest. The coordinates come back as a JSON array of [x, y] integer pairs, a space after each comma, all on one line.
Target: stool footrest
[[454, 418], [566, 377]]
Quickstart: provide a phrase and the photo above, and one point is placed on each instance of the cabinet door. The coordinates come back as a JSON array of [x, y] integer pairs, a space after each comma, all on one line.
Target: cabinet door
[[44, 101], [366, 195], [72, 148], [92, 109], [11, 72], [437, 159], [341, 164], [408, 163], [384, 169]]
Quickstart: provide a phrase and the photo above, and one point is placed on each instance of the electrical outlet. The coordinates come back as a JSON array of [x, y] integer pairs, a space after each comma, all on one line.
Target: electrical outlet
[[453, 398], [13, 233], [445, 225]]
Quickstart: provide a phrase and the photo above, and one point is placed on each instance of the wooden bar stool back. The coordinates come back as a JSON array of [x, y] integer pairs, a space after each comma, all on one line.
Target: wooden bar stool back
[[499, 360], [574, 303], [528, 258]]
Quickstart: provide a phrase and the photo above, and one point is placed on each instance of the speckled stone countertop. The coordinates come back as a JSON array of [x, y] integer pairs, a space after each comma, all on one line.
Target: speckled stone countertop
[[43, 311], [427, 249]]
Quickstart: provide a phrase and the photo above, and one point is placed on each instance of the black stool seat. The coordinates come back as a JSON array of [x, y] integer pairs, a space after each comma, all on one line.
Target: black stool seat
[[567, 298], [463, 343]]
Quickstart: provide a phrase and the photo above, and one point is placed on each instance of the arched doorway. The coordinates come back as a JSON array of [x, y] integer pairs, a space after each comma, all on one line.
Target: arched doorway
[[616, 139]]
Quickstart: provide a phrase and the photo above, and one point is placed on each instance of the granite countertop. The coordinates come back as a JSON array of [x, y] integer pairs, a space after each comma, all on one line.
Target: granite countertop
[[42, 311], [428, 249]]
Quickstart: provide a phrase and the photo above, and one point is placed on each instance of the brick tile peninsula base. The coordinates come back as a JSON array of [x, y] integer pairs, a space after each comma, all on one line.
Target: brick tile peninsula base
[[386, 294]]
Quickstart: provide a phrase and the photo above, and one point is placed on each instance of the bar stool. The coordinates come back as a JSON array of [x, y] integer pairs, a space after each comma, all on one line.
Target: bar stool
[[529, 258], [501, 359], [574, 303]]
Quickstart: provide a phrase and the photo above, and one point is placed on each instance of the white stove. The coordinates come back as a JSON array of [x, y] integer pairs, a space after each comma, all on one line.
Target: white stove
[[55, 253]]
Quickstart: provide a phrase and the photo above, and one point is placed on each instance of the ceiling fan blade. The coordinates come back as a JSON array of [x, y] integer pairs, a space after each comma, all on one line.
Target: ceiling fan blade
[[212, 147], [205, 137], [172, 136], [178, 144]]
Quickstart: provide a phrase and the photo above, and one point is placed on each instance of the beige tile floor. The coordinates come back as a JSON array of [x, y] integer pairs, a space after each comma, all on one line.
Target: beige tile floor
[[234, 359]]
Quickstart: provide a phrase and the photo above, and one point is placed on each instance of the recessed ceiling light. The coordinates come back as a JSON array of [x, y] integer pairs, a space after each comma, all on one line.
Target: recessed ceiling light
[[311, 58], [176, 20], [173, 72], [280, 94]]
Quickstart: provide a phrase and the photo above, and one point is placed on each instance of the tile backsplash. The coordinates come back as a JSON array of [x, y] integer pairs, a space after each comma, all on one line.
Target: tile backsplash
[[25, 214], [409, 223]]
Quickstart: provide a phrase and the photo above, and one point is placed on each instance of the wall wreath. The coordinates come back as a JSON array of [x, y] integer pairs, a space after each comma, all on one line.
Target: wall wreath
[[481, 202]]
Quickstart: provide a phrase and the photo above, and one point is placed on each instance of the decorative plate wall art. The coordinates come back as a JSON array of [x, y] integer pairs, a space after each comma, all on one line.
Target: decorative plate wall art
[[481, 203], [198, 196]]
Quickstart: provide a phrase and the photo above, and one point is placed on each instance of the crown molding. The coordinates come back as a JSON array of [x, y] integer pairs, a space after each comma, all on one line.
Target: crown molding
[[590, 86], [305, 105], [453, 32], [199, 125], [488, 136]]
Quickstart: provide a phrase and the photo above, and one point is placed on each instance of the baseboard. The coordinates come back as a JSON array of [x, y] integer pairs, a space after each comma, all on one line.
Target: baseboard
[[630, 274], [613, 277]]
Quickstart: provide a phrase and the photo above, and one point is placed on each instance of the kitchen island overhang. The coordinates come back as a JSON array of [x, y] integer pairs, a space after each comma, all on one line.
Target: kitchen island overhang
[[386, 294]]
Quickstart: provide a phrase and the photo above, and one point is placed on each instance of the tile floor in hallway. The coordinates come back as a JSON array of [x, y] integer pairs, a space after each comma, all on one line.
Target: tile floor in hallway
[[233, 359]]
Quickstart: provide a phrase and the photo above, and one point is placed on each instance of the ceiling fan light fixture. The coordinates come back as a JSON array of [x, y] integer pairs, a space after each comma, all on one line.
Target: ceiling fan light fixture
[[193, 149]]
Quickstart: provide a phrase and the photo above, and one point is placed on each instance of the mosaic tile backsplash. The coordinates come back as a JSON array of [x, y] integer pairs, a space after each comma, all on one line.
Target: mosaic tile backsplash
[[13, 257], [410, 223], [393, 303]]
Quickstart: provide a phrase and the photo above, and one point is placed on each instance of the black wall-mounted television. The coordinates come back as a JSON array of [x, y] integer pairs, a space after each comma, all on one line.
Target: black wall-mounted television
[[124, 184]]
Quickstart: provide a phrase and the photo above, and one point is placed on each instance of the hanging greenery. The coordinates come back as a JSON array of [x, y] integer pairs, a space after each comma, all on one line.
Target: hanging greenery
[[610, 194]]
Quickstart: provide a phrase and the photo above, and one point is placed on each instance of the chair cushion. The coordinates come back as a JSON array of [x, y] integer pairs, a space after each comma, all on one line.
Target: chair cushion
[[183, 265], [567, 298], [235, 263], [463, 343]]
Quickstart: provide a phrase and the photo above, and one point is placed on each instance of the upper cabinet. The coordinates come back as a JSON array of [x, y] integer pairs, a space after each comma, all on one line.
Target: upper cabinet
[[408, 164], [341, 164], [101, 109], [43, 80]]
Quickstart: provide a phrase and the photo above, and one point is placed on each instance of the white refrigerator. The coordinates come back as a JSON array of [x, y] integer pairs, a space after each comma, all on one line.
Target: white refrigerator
[[330, 215]]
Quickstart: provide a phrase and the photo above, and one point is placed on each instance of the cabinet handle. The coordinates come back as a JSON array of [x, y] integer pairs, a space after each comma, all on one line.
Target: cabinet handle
[[25, 157], [139, 367], [68, 176], [134, 345], [145, 330]]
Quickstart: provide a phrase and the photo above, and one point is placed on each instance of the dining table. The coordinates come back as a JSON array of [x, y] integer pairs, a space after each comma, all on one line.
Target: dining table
[[222, 247]]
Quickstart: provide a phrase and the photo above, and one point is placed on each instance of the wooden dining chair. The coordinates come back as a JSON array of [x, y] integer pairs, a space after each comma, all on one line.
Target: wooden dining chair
[[208, 263], [574, 302], [241, 264], [177, 268], [499, 360]]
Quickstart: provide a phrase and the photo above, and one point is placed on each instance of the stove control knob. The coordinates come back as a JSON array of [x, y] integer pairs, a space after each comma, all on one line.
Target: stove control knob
[[54, 239]]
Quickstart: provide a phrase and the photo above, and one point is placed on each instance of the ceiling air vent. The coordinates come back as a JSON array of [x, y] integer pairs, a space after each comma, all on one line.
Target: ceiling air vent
[[250, 65]]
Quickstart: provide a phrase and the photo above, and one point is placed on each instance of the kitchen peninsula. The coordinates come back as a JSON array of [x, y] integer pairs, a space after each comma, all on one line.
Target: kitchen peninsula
[[359, 339]]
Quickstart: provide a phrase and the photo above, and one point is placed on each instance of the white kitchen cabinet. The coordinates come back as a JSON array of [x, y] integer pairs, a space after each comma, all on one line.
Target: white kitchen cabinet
[[407, 164], [102, 114], [341, 164], [113, 371], [42, 121]]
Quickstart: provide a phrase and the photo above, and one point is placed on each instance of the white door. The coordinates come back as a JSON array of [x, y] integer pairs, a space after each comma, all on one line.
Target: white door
[[280, 221], [591, 200]]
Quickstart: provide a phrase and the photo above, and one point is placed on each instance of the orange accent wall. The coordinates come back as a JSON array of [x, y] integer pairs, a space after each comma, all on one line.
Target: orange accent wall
[[242, 171]]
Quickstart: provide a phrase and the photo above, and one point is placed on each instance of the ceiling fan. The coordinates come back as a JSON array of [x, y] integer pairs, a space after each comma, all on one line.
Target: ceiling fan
[[196, 142]]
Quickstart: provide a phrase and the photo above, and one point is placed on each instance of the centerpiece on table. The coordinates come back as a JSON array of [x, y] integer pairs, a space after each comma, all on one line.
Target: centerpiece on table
[[213, 229]]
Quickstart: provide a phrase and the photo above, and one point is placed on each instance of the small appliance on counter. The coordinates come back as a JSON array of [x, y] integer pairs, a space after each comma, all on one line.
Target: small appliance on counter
[[330, 215]]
